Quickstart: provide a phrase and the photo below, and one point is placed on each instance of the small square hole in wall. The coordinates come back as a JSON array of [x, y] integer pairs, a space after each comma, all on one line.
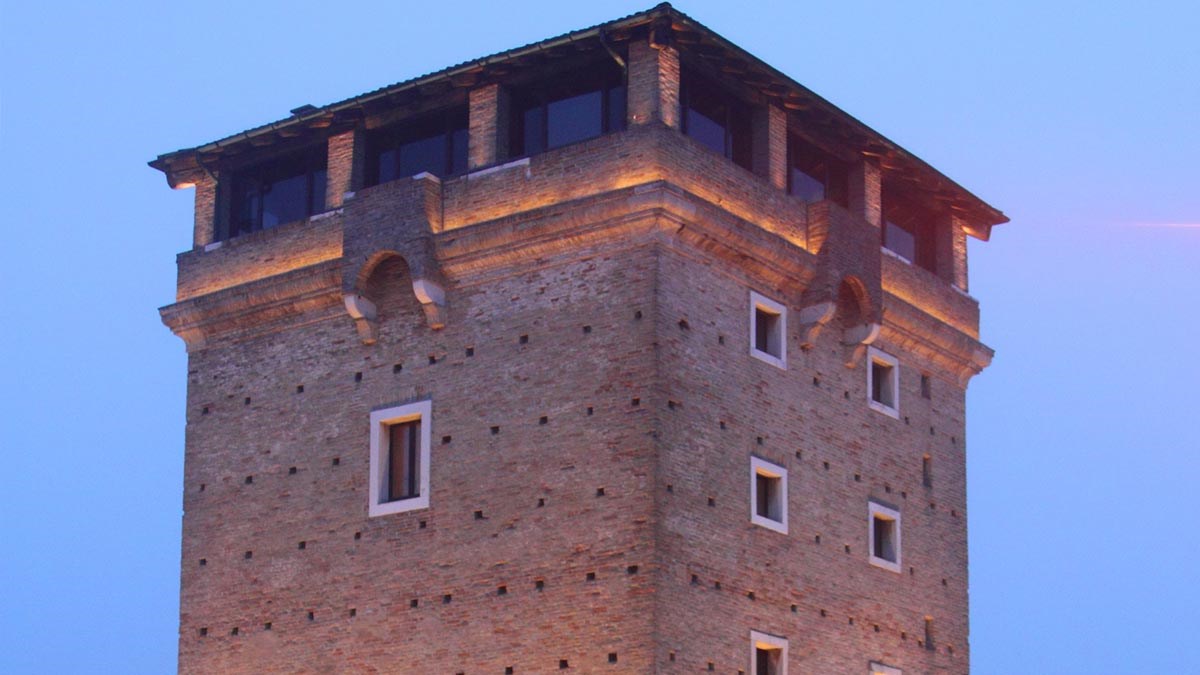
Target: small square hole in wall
[[292, 471], [470, 351], [543, 420], [357, 536], [591, 576], [539, 585], [397, 367], [563, 665], [600, 492], [248, 555], [508, 670], [421, 524], [541, 502], [336, 461], [447, 598], [612, 657], [246, 401], [302, 545], [299, 389], [446, 440], [637, 316], [358, 376], [495, 431], [635, 402], [524, 339], [203, 562], [204, 410], [632, 569], [590, 411], [353, 612], [502, 590], [267, 626], [587, 329], [204, 632], [414, 603], [249, 480], [683, 324], [433, 359], [720, 339], [312, 616]]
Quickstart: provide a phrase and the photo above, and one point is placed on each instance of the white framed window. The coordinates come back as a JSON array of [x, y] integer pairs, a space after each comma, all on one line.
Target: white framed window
[[768, 495], [880, 669], [883, 533], [883, 382], [768, 654], [768, 330], [399, 473]]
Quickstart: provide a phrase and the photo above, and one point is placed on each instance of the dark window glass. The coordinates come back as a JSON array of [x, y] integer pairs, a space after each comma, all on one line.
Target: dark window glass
[[814, 175], [900, 240], [436, 144], [766, 332], [766, 661], [278, 192], [910, 228], [885, 545], [717, 119], [763, 488], [574, 119], [881, 383], [568, 109], [404, 460]]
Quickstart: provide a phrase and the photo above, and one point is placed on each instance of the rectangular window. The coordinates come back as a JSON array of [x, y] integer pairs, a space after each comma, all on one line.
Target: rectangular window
[[880, 669], [717, 119], [884, 536], [768, 330], [399, 460], [813, 175], [768, 654], [909, 228], [277, 192], [768, 495], [404, 460], [883, 382], [573, 107], [436, 144]]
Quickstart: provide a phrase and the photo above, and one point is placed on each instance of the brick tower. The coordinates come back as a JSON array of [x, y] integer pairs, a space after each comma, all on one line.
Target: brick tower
[[621, 352]]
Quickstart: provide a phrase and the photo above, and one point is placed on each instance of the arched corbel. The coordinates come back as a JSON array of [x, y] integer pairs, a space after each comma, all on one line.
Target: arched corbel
[[812, 319]]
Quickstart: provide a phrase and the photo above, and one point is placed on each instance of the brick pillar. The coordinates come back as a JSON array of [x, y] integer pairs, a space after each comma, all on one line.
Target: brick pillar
[[488, 126], [345, 166], [866, 188], [204, 228], [653, 84], [769, 131], [958, 247]]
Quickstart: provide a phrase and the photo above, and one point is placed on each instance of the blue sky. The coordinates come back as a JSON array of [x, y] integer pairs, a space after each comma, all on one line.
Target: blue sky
[[1077, 119]]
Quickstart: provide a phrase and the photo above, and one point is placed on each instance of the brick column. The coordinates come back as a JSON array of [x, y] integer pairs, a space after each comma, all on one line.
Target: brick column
[[770, 145], [345, 166], [653, 84], [488, 126], [205, 225], [866, 188], [958, 247]]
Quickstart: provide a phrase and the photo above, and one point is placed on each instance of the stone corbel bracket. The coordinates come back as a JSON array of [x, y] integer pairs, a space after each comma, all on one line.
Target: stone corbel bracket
[[405, 230]]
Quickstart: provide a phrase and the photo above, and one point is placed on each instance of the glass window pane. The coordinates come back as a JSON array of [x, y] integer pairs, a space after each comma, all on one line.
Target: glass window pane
[[387, 166], [616, 108], [535, 131], [806, 187], [900, 241], [424, 154], [317, 198], [706, 130], [284, 201], [403, 461], [458, 152], [573, 119]]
